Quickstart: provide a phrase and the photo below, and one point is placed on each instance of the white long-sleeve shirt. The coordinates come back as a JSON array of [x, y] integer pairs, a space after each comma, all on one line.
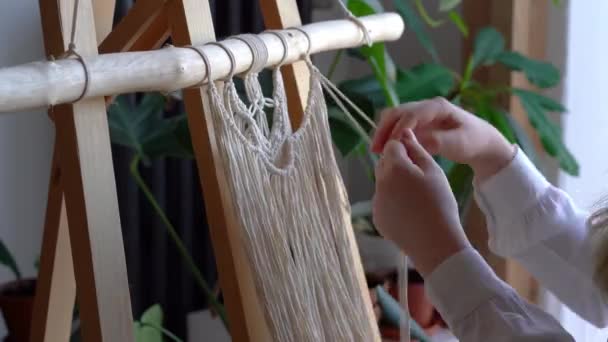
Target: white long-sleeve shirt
[[538, 225]]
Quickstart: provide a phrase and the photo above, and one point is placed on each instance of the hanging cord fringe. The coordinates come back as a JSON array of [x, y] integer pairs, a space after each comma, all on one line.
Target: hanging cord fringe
[[291, 205], [340, 99]]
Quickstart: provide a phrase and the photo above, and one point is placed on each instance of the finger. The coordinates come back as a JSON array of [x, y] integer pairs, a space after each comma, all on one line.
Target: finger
[[395, 152], [388, 119], [407, 121], [420, 113], [408, 116], [397, 161], [417, 154]]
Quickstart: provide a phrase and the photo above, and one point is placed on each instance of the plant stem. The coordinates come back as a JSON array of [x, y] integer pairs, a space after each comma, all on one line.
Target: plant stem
[[163, 331], [425, 15], [468, 73], [334, 64], [179, 244]]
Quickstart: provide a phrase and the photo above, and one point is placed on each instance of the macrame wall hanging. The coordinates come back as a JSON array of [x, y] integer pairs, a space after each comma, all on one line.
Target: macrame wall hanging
[[291, 207]]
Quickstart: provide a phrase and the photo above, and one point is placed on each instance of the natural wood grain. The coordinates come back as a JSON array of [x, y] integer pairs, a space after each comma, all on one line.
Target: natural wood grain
[[156, 35], [90, 190], [523, 24], [48, 83], [56, 286], [192, 24], [279, 14], [104, 17], [142, 26]]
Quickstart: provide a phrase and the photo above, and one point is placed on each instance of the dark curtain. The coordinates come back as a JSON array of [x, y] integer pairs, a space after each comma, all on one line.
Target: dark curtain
[[156, 272]]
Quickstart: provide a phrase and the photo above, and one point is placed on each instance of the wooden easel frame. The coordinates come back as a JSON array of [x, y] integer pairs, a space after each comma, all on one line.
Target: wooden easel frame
[[99, 274]]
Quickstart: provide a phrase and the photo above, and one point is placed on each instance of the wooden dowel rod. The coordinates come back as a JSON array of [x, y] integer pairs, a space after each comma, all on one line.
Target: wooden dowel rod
[[42, 84]]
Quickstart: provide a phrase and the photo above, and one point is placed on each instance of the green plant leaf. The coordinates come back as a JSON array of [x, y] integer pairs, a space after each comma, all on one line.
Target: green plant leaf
[[359, 6], [459, 22], [143, 129], [546, 103], [523, 140], [424, 81], [539, 73], [146, 329], [361, 209], [366, 89], [483, 106], [345, 137], [460, 177], [445, 164], [376, 55], [488, 45], [413, 22], [8, 260], [393, 313], [548, 132], [448, 5], [498, 118]]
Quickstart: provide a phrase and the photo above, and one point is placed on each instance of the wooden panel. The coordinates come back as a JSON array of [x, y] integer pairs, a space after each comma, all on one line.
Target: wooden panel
[[192, 25], [523, 24], [104, 17], [90, 190], [144, 25], [157, 33], [56, 287], [280, 14]]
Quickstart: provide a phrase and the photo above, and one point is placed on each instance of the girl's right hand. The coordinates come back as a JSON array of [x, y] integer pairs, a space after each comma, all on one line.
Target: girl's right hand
[[447, 130]]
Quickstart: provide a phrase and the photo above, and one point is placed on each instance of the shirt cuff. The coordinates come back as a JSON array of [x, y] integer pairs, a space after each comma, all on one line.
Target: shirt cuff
[[461, 284], [505, 200]]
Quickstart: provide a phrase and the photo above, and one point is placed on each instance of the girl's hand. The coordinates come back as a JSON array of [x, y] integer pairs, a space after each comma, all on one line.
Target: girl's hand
[[447, 130], [414, 207]]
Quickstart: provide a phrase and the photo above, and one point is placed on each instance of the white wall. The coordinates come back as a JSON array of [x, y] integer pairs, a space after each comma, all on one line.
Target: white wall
[[25, 144], [586, 125]]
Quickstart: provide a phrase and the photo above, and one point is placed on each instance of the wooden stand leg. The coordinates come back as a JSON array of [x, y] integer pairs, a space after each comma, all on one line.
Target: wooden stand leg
[[56, 287], [145, 27], [192, 24], [90, 190], [516, 19]]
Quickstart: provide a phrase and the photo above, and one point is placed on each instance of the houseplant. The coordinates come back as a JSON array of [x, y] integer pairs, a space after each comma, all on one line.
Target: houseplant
[[16, 298], [391, 84]]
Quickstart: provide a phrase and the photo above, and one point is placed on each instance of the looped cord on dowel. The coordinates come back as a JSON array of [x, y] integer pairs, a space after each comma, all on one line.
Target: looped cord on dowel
[[205, 59], [283, 40], [366, 37], [230, 55], [78, 57], [71, 52], [259, 51], [308, 40]]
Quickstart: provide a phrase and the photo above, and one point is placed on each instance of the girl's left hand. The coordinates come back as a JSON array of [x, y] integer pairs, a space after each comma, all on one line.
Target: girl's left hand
[[414, 206]]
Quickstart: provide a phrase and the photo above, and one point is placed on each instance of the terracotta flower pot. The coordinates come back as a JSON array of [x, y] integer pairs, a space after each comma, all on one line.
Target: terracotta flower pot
[[17, 305], [421, 309]]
